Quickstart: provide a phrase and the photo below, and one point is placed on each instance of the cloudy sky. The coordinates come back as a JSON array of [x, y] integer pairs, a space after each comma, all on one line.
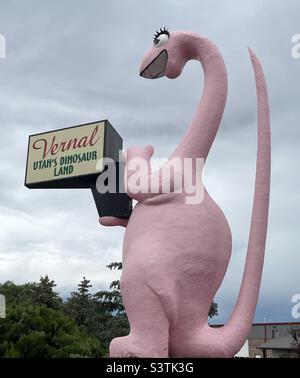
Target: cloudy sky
[[73, 61]]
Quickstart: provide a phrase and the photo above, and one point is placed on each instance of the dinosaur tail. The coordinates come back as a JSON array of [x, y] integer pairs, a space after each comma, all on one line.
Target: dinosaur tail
[[236, 330]]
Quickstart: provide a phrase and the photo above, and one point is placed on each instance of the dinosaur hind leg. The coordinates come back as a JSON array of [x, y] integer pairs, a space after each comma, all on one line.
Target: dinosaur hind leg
[[198, 342], [149, 326]]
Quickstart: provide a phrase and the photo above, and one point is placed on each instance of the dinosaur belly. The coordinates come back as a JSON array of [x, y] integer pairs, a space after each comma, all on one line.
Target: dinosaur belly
[[179, 250]]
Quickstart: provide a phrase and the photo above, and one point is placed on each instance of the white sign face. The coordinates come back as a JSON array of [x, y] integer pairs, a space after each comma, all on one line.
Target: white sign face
[[65, 153]]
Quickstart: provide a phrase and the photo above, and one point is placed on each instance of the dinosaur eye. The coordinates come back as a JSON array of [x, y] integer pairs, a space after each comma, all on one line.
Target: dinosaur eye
[[161, 37]]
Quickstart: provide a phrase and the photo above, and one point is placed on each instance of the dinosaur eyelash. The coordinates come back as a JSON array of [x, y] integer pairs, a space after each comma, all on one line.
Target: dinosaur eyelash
[[161, 31]]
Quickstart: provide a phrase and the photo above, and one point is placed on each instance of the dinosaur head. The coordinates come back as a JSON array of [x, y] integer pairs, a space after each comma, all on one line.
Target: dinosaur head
[[167, 56]]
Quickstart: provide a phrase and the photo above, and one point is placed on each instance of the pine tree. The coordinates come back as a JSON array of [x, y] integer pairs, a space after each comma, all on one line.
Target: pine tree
[[83, 289], [213, 311], [90, 314], [112, 299], [116, 322], [44, 293], [80, 305]]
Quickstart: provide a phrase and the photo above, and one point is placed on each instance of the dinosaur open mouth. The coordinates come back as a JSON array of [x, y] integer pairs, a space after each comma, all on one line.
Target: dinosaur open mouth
[[157, 67]]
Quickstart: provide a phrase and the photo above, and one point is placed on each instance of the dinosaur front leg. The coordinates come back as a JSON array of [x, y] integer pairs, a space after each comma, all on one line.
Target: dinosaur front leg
[[137, 175], [113, 221]]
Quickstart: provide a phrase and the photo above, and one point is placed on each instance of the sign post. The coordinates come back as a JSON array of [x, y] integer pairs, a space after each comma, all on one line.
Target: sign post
[[73, 158]]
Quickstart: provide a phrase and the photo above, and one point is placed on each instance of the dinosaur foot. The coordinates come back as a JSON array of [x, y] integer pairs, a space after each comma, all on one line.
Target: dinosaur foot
[[128, 346]]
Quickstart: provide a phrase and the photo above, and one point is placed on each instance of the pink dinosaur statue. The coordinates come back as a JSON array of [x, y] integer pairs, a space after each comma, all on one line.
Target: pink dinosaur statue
[[175, 255]]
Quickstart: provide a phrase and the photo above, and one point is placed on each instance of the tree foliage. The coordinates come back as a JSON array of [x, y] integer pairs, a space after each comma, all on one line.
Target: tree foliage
[[35, 326], [101, 314]]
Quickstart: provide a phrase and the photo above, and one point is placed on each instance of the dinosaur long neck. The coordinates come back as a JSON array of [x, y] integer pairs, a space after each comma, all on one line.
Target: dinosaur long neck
[[202, 131]]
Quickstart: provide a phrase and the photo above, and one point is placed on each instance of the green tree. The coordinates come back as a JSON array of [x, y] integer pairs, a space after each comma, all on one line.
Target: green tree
[[89, 313], [44, 293], [116, 322], [40, 293], [112, 299], [36, 331], [213, 311], [80, 305]]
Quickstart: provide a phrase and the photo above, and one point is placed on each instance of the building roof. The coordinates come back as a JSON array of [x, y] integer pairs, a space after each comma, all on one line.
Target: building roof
[[264, 331], [263, 324], [284, 342]]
